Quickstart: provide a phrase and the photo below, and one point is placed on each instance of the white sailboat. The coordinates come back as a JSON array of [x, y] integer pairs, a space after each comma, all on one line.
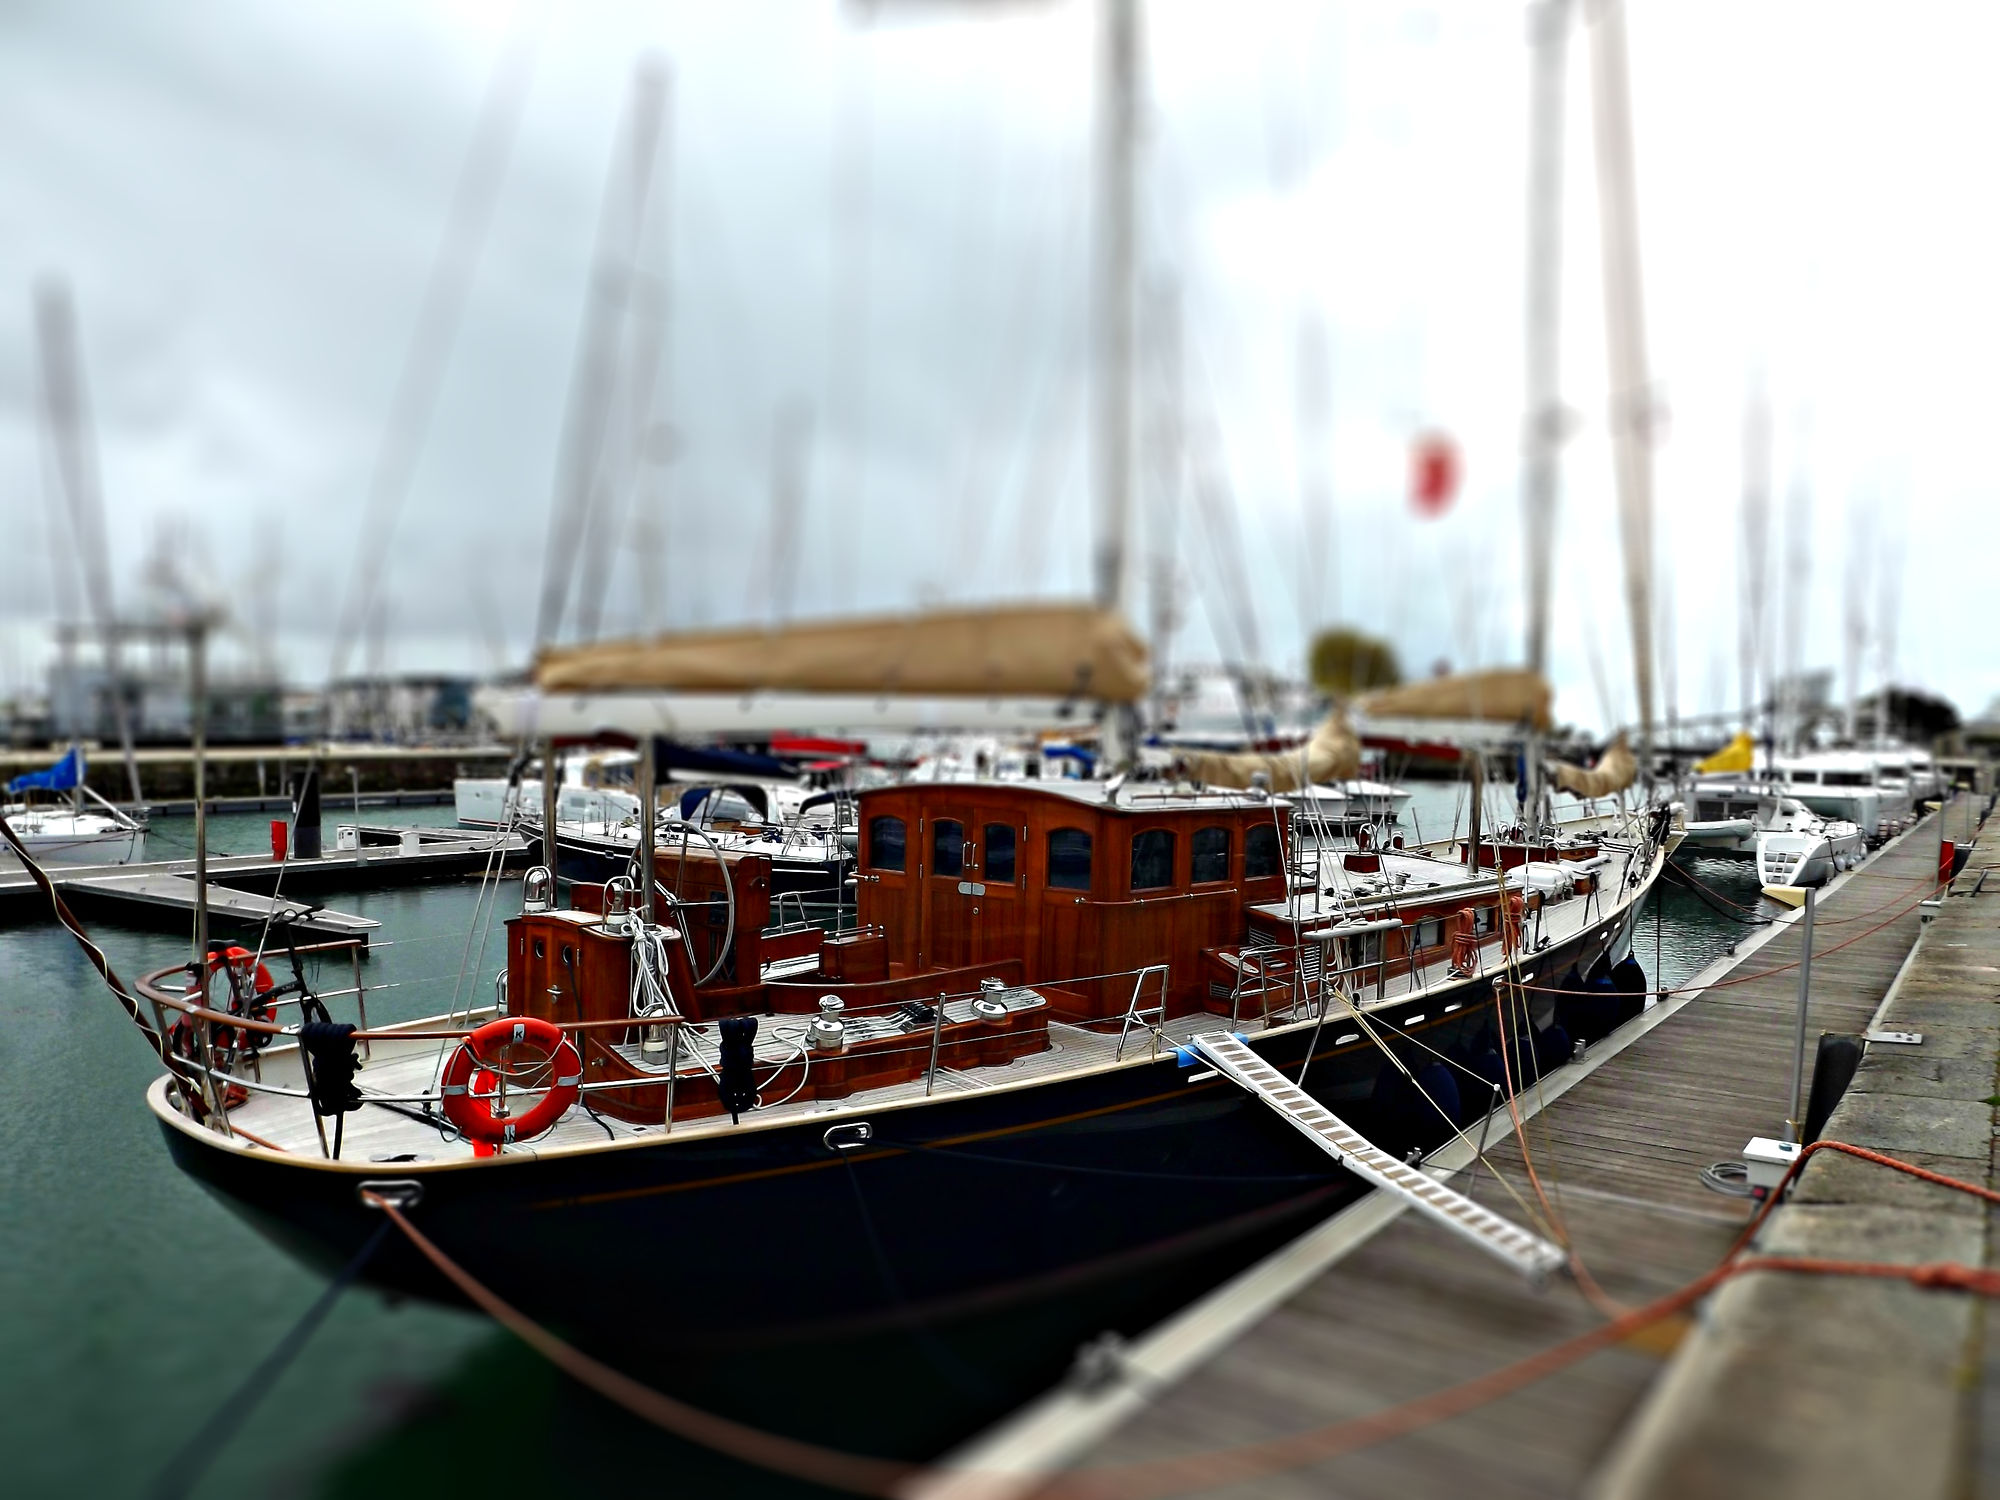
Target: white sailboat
[[70, 831]]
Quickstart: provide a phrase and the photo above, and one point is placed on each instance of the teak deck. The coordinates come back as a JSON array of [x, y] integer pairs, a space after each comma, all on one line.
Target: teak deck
[[1411, 1311]]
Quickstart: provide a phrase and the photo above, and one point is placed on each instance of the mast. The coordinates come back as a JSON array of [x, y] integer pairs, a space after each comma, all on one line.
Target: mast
[[1625, 337], [68, 423], [1754, 572], [1118, 127], [197, 644], [580, 459], [618, 473], [1550, 24], [1167, 461], [1117, 255]]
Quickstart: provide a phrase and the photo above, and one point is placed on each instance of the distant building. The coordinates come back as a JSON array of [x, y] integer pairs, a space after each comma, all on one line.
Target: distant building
[[84, 701], [400, 710]]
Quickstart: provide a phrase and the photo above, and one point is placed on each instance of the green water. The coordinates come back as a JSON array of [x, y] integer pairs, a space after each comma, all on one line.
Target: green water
[[133, 1302]]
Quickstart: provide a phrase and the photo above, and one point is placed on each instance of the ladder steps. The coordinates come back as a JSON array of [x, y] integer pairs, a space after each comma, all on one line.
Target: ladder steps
[[1527, 1252]]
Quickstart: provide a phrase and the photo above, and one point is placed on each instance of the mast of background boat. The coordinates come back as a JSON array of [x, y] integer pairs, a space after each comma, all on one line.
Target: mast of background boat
[[1625, 339], [647, 797], [1754, 577], [76, 466], [549, 804], [1474, 770], [197, 643], [1117, 165], [1550, 25]]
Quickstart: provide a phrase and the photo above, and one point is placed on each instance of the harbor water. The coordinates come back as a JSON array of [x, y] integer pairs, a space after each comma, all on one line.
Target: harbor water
[[135, 1303]]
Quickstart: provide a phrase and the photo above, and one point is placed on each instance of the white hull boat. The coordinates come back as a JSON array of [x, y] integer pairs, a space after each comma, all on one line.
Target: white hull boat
[[66, 836], [1801, 849], [69, 831]]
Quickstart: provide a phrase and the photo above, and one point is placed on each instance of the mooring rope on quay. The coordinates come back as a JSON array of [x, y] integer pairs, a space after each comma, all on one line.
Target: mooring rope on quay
[[889, 1479]]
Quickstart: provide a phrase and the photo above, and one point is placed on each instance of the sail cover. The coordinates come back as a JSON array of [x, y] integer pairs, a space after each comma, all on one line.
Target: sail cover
[[1740, 754], [1615, 770], [63, 776], [1040, 650], [1332, 754], [1504, 696]]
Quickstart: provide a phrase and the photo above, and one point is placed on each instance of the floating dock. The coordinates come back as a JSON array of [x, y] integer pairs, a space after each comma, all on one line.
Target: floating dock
[[1375, 1308], [246, 890]]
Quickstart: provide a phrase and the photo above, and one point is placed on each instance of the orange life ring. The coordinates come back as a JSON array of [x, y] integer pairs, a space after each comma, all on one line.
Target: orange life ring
[[240, 960], [473, 1112], [247, 989]]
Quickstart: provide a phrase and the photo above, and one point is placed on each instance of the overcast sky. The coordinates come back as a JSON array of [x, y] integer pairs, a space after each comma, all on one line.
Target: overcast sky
[[884, 231]]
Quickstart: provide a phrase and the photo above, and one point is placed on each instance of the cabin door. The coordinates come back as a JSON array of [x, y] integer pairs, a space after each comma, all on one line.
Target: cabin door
[[951, 910], [973, 875]]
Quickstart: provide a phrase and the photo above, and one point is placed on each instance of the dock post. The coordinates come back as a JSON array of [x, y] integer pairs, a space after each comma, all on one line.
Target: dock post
[[1793, 1122]]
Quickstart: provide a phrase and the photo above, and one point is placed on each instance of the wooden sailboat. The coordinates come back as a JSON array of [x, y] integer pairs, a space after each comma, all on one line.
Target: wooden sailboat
[[991, 1084]]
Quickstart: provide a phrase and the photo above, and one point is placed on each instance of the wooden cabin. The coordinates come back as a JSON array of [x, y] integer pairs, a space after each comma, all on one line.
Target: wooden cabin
[[1068, 878]]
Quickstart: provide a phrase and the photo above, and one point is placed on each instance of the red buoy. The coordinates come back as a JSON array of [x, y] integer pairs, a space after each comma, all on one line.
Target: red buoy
[[1434, 472]]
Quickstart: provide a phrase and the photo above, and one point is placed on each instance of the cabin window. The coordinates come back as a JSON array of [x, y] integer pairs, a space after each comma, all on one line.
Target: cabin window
[[1260, 852], [1430, 933], [1364, 952], [541, 949], [1482, 920], [999, 867], [1069, 859], [886, 844], [1807, 778], [1211, 854], [1152, 859], [948, 848]]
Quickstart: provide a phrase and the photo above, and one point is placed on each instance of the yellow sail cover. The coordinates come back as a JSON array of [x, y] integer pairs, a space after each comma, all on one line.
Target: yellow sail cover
[[1740, 754], [1332, 754], [1032, 651], [1615, 770], [1504, 696]]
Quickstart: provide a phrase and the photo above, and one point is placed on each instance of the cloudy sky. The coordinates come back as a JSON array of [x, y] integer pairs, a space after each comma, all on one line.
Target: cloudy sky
[[871, 249]]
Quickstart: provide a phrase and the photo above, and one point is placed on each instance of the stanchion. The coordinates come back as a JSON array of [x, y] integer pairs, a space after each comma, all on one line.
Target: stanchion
[[1792, 1122]]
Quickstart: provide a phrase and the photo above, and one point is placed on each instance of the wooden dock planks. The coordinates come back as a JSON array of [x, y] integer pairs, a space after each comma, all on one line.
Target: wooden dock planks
[[1411, 1311]]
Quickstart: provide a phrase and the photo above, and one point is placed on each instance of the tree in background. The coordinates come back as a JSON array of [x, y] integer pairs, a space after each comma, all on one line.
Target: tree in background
[[1916, 716], [1345, 662]]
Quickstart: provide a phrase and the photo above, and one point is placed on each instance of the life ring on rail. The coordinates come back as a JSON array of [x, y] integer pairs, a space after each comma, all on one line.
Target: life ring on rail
[[472, 1112], [249, 982]]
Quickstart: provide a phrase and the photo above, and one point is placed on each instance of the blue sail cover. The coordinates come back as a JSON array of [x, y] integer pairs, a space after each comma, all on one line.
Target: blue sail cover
[[63, 776]]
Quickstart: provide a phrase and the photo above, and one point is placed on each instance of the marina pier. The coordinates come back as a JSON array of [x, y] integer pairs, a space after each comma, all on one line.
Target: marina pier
[[1785, 1386], [247, 891]]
